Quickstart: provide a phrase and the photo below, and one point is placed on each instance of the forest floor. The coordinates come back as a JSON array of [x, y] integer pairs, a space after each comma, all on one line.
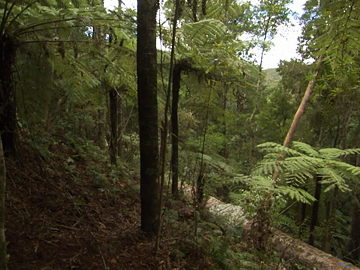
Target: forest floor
[[59, 217]]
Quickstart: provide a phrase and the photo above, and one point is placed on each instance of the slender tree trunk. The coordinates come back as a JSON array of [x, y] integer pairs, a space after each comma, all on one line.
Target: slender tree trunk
[[121, 127], [99, 37], [7, 97], [262, 221], [258, 91], [176, 79], [165, 124], [331, 222], [315, 210], [325, 241], [3, 258], [300, 111], [200, 185], [301, 220], [114, 125], [354, 242], [224, 151], [148, 114], [100, 137], [175, 130]]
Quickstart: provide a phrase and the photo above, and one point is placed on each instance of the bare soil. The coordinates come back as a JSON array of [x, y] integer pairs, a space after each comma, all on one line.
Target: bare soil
[[56, 221]]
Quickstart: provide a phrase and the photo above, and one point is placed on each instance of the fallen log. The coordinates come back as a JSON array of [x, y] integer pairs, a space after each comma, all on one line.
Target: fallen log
[[296, 251], [287, 247], [293, 249]]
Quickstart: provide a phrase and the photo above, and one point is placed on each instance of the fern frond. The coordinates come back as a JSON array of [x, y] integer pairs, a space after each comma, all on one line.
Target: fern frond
[[303, 147], [348, 169], [331, 176], [333, 153], [285, 224], [268, 167], [241, 179], [303, 163], [277, 148], [297, 194], [204, 31], [262, 184]]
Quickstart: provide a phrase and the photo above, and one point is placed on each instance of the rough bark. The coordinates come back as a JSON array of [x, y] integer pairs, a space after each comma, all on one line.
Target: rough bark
[[296, 251], [7, 96], [114, 125], [175, 130], [289, 248], [3, 258], [148, 114]]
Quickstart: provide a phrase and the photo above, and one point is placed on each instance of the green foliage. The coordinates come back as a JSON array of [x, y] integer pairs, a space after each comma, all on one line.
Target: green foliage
[[336, 40], [275, 116], [272, 77], [302, 162], [226, 258], [268, 15], [286, 224]]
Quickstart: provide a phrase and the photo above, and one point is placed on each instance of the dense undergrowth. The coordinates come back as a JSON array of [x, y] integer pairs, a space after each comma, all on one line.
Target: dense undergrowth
[[72, 210]]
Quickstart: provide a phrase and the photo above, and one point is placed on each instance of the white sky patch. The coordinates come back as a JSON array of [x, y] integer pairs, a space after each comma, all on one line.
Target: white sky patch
[[284, 48], [285, 43], [114, 3]]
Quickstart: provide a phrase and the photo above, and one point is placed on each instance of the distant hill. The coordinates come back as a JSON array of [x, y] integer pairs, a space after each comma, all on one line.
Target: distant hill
[[272, 77]]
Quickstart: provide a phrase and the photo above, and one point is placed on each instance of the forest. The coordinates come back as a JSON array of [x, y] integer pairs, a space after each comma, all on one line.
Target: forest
[[119, 153]]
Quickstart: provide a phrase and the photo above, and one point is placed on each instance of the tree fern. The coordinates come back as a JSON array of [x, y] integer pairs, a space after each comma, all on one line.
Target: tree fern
[[335, 40], [210, 45], [302, 162]]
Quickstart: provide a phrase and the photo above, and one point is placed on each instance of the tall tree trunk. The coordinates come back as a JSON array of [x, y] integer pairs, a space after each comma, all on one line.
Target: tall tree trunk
[[165, 122], [354, 242], [331, 222], [175, 130], [100, 137], [99, 37], [300, 111], [7, 96], [113, 124], [148, 114], [3, 258], [121, 127], [224, 151], [176, 79], [258, 91], [325, 245], [315, 210], [301, 220], [262, 220]]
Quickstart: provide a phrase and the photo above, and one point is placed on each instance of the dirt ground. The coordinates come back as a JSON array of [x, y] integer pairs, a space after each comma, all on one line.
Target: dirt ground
[[55, 222]]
